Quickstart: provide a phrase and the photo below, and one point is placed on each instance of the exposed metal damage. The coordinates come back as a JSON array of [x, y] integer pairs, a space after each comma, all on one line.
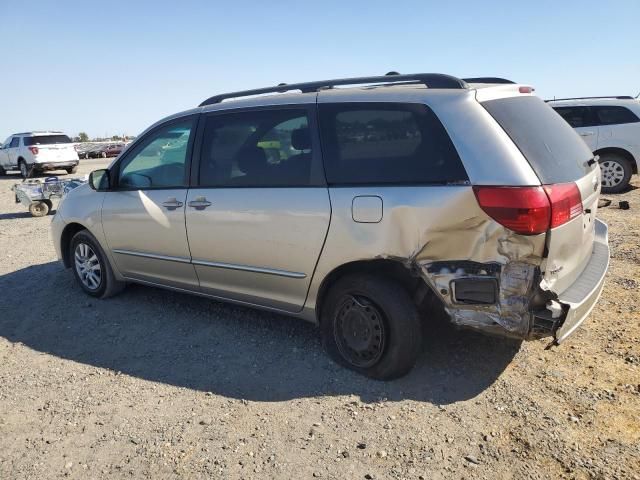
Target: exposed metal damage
[[515, 269]]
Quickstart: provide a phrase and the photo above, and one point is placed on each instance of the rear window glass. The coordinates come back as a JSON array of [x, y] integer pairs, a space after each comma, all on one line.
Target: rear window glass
[[386, 143], [554, 150], [613, 115], [46, 140]]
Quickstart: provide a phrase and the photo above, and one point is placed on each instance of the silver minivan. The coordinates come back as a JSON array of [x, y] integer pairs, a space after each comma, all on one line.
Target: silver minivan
[[361, 209]]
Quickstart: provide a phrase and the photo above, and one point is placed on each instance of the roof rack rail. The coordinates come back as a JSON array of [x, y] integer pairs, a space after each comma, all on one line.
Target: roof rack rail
[[431, 80], [487, 80], [616, 97]]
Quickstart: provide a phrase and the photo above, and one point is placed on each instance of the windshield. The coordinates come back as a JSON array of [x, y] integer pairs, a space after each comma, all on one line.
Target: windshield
[[554, 150], [46, 140]]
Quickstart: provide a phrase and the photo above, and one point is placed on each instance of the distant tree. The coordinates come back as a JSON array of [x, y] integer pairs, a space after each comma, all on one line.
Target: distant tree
[[115, 137], [83, 137]]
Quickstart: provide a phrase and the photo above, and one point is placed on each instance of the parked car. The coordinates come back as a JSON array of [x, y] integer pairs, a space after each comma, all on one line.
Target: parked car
[[38, 152], [83, 149], [429, 193], [611, 128], [111, 150]]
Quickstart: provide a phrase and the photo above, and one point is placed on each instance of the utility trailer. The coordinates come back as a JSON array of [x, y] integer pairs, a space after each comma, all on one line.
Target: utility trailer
[[38, 194]]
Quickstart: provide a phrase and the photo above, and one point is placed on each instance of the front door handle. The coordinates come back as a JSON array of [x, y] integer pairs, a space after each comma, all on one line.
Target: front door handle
[[586, 134], [199, 203], [172, 203]]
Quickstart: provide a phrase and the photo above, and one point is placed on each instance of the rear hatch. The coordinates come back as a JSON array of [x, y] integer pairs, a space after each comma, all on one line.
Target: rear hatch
[[571, 178], [51, 148]]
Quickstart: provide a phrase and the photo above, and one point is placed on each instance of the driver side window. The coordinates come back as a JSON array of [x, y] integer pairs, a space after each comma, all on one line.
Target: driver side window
[[159, 161]]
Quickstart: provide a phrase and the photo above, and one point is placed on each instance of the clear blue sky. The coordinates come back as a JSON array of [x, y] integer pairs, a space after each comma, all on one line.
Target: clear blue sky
[[115, 67]]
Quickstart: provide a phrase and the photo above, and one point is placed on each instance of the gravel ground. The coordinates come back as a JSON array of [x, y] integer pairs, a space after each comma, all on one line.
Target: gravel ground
[[155, 384]]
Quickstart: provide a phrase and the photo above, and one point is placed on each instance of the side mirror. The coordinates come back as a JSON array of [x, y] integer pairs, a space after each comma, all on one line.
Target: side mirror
[[99, 180]]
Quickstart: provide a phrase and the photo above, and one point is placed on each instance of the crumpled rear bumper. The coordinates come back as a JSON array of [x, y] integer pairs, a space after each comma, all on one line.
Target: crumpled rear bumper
[[580, 298]]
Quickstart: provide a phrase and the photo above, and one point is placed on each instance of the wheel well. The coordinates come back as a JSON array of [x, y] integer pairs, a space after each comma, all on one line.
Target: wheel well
[[20, 159], [65, 240], [413, 284], [623, 153]]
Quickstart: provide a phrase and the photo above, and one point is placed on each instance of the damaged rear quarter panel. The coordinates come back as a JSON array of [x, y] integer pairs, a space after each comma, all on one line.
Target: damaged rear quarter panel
[[423, 226]]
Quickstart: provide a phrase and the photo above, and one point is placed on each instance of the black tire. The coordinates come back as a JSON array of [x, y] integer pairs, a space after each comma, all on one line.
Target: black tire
[[24, 168], [385, 335], [39, 209], [71, 170], [616, 171], [3, 172], [107, 285]]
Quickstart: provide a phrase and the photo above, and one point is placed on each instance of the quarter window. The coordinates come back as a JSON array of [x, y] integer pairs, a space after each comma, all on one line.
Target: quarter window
[[267, 148], [383, 143], [15, 141], [160, 160], [614, 115]]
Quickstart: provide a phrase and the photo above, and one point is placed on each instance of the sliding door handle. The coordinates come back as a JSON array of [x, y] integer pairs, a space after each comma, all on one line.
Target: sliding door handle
[[199, 203]]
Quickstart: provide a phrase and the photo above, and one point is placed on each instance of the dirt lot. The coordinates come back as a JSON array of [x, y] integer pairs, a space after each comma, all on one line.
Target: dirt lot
[[154, 384]]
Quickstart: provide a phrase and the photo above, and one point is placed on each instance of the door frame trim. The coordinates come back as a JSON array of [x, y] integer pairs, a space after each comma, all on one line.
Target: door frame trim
[[152, 255], [229, 266], [248, 268]]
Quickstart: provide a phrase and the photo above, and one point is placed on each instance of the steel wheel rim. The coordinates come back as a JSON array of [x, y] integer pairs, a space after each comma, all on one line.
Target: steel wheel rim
[[360, 331], [612, 173], [88, 266]]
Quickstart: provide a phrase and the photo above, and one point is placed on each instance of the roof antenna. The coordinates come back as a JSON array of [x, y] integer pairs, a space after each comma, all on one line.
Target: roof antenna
[[391, 73]]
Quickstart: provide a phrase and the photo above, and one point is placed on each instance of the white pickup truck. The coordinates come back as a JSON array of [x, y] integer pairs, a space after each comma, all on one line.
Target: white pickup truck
[[38, 152]]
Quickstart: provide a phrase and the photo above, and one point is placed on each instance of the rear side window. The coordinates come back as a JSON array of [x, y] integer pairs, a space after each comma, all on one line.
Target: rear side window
[[46, 140], [263, 148], [614, 115], [386, 143], [554, 150], [576, 116], [15, 141]]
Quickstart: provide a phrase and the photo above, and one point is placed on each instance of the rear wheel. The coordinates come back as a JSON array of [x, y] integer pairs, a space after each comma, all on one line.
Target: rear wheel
[[24, 170], [39, 209], [371, 325], [71, 170], [91, 267], [616, 173]]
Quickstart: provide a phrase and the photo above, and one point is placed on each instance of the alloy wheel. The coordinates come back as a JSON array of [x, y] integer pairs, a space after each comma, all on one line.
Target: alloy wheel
[[612, 173], [88, 266]]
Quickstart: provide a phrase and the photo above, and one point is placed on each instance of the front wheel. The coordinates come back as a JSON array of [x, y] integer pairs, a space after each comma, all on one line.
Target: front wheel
[[371, 325], [616, 173], [91, 267]]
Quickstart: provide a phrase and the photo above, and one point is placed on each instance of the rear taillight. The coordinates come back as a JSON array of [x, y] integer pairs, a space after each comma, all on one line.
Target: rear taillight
[[566, 202], [524, 210], [531, 210], [33, 150]]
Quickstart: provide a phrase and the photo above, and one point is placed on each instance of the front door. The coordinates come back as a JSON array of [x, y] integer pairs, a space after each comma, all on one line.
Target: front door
[[12, 152], [144, 216], [258, 218]]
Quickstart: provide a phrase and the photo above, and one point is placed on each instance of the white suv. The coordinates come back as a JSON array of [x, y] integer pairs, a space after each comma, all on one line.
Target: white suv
[[38, 152], [611, 128]]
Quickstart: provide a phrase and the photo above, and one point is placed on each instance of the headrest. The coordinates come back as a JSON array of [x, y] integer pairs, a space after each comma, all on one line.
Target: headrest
[[252, 159], [301, 139]]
